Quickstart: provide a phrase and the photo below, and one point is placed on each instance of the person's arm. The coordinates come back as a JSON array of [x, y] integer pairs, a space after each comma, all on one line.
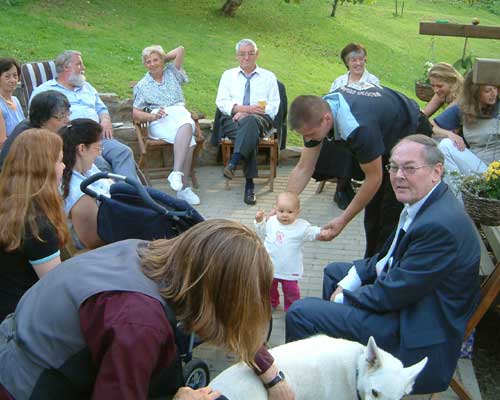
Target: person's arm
[[433, 105], [225, 101], [265, 362], [103, 113], [107, 126], [176, 55], [129, 338], [143, 116], [42, 268], [427, 260], [3, 130], [372, 182], [84, 219], [43, 253], [300, 175]]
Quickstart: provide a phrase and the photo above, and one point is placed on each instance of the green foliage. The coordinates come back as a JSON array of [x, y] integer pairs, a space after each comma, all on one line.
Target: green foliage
[[300, 43]]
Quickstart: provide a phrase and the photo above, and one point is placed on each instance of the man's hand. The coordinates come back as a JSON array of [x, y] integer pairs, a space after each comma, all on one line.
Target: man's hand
[[186, 393], [332, 229], [255, 109], [324, 235], [336, 292], [107, 128], [281, 391], [239, 115], [259, 216]]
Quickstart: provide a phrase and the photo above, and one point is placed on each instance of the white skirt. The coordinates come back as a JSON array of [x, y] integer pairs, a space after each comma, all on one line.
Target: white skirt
[[166, 128]]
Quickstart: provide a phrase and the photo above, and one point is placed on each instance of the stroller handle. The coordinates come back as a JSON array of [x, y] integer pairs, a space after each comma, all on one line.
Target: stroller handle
[[141, 191]]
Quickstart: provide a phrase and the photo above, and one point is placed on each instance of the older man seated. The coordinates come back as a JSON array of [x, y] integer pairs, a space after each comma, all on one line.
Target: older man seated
[[248, 98], [86, 103], [415, 296]]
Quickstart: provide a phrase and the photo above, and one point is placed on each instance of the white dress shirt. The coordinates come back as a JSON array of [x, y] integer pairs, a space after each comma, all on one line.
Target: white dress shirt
[[263, 86], [352, 281]]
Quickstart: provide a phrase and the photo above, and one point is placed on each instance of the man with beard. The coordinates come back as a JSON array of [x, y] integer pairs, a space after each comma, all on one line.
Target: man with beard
[[86, 103]]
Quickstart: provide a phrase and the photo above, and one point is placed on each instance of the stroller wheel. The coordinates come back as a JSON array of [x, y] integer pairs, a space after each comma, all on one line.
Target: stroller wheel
[[196, 374]]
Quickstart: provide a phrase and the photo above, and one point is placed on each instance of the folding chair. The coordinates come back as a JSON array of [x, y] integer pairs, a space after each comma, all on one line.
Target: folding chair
[[34, 74], [489, 291], [272, 144]]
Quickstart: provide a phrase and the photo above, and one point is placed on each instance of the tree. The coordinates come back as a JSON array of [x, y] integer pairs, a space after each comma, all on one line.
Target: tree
[[230, 6]]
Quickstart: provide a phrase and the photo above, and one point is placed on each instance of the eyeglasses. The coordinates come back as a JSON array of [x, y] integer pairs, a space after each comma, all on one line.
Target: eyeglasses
[[249, 54], [406, 170], [62, 116]]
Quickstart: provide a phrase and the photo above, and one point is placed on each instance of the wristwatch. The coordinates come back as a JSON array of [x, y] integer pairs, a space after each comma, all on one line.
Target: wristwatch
[[280, 376]]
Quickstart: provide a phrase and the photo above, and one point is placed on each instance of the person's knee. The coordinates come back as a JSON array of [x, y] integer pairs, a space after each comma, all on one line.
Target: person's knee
[[297, 324], [446, 146]]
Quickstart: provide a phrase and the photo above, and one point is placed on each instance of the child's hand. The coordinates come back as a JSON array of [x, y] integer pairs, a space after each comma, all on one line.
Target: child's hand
[[259, 216]]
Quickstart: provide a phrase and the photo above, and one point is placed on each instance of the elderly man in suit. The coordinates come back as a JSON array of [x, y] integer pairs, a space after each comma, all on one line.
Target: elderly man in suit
[[248, 98], [415, 296]]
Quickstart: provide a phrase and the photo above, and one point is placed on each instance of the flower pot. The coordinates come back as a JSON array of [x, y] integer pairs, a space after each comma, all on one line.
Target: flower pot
[[424, 91], [482, 210]]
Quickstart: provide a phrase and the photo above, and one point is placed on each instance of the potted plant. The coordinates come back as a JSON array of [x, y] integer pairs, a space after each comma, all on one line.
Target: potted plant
[[423, 88], [481, 195]]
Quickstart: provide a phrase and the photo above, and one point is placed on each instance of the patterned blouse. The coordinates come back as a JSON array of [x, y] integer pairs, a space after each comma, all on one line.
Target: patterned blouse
[[149, 93]]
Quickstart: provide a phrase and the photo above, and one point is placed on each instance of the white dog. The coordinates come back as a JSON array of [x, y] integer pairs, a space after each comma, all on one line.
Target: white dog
[[323, 368]]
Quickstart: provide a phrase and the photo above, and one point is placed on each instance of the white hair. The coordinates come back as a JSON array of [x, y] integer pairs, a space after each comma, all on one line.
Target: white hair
[[156, 48], [246, 42], [64, 59]]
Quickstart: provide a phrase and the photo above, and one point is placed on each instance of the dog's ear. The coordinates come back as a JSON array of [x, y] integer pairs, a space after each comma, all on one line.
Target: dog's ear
[[412, 373], [372, 354]]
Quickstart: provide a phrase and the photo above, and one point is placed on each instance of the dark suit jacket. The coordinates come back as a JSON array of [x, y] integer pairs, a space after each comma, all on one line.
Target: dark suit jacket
[[434, 279]]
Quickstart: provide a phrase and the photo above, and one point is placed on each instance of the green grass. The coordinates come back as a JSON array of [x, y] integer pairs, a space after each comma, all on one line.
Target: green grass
[[299, 42]]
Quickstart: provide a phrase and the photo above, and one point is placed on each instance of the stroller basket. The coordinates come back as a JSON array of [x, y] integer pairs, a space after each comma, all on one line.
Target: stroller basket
[[137, 212]]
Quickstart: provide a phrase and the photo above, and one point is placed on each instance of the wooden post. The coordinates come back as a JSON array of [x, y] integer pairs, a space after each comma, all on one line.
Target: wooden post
[[486, 71], [460, 30]]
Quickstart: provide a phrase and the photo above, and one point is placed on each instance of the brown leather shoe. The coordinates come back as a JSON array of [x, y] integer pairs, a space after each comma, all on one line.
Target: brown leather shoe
[[229, 171]]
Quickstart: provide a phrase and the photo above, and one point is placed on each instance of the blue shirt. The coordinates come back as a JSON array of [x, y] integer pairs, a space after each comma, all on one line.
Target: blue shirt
[[11, 117], [84, 100], [450, 119]]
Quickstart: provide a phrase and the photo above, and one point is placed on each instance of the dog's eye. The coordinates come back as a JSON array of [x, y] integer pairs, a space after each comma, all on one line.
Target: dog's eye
[[375, 393]]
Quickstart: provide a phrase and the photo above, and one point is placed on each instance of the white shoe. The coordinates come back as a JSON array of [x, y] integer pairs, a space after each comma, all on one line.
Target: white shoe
[[175, 180], [188, 195]]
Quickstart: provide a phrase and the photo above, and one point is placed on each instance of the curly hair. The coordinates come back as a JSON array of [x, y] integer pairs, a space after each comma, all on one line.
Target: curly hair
[[29, 188], [80, 131]]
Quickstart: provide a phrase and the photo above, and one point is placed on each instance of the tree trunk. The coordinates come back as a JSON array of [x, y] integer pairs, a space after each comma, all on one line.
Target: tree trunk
[[230, 7], [334, 8]]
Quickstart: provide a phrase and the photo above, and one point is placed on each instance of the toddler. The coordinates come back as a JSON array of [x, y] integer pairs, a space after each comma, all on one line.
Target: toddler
[[284, 235]]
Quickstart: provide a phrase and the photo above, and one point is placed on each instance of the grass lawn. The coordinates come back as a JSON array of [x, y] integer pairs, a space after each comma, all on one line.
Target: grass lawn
[[299, 42]]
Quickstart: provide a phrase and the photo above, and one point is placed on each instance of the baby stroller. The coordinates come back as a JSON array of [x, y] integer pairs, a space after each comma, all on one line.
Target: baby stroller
[[136, 212]]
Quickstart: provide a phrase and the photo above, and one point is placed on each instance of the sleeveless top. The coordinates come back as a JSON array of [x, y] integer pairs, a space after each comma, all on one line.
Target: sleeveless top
[[11, 117]]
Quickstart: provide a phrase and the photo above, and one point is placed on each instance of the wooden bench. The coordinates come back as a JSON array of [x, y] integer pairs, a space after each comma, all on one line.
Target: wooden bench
[[490, 288]]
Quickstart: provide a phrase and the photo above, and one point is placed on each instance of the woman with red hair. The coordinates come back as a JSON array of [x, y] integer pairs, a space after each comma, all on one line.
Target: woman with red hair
[[31, 214]]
